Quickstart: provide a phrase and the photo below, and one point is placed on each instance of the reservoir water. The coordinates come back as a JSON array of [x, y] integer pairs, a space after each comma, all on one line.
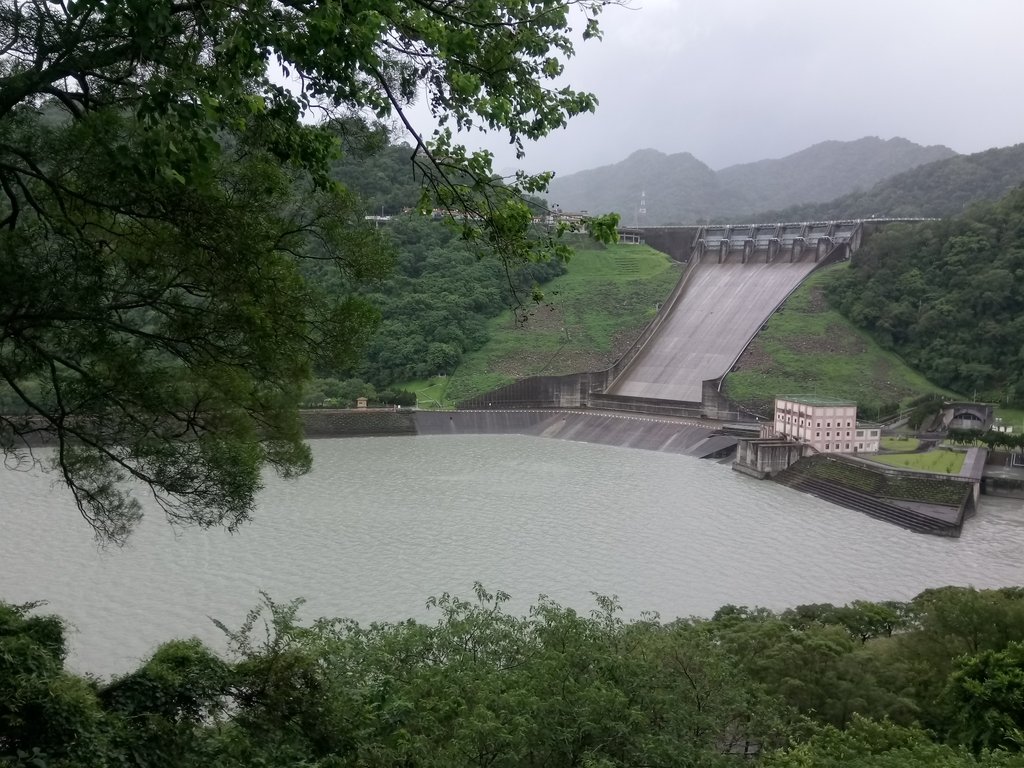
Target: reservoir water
[[383, 523]]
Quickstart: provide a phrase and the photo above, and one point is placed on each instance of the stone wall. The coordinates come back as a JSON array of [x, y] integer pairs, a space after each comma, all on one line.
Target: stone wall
[[337, 422]]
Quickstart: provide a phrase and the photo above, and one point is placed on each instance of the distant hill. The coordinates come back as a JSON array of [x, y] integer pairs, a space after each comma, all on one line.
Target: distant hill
[[680, 189], [943, 188], [826, 171]]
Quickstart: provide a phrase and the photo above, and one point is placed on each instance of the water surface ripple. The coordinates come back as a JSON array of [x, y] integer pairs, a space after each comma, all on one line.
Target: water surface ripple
[[383, 523]]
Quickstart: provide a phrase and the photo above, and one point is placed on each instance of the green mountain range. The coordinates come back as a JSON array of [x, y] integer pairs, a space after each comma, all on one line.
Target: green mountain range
[[939, 189], [680, 189]]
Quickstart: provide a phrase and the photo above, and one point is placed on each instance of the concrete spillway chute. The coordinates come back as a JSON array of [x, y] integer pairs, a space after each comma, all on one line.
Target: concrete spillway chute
[[726, 296]]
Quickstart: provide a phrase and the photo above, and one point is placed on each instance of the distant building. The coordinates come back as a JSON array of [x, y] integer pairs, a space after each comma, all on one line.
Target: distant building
[[828, 426], [976, 416]]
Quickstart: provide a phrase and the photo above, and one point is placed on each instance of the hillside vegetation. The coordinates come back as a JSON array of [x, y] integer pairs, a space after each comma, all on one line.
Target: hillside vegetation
[[808, 347], [680, 189], [826, 170], [433, 304], [589, 317], [942, 188], [431, 310], [948, 297]]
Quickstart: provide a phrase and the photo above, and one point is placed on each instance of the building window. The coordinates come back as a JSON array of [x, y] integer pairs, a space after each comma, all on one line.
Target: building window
[[847, 434], [817, 434], [819, 423], [847, 446], [860, 433], [828, 434], [828, 423], [826, 446]]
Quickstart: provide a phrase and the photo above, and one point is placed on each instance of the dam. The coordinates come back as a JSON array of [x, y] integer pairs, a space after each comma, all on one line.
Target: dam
[[737, 275], [722, 307]]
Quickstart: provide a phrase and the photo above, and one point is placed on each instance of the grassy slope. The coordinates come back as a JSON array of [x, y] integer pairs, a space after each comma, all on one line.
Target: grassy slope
[[932, 461], [900, 443], [809, 348], [1012, 417], [589, 317]]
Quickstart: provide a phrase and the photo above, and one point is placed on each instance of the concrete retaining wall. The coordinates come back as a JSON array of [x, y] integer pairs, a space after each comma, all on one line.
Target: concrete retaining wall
[[676, 242], [1006, 487], [330, 422], [569, 391], [644, 432]]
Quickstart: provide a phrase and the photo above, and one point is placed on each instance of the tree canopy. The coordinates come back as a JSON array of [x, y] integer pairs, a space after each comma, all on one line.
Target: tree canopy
[[946, 296], [165, 174], [932, 682]]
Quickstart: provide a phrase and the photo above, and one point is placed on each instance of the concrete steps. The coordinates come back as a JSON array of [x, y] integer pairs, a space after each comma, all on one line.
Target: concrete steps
[[865, 503]]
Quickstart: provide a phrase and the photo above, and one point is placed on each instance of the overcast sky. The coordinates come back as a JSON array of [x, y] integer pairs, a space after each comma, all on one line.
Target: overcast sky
[[733, 81]]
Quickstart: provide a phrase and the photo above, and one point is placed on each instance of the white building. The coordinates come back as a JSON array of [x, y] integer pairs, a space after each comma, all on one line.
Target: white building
[[828, 426]]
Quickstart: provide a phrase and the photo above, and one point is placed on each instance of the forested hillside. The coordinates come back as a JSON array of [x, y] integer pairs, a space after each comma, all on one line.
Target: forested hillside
[[943, 188], [931, 683], [808, 346], [381, 174], [433, 309], [825, 171], [434, 305], [682, 190], [948, 297]]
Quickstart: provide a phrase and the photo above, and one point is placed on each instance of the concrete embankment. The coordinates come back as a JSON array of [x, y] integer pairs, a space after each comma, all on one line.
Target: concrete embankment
[[1001, 477], [921, 502], [340, 422], [629, 431], [648, 433], [708, 327], [1010, 487]]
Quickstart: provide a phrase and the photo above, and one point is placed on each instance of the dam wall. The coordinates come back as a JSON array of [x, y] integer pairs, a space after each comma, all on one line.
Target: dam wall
[[737, 276], [359, 422], [666, 310], [716, 314], [676, 242], [570, 391], [627, 431]]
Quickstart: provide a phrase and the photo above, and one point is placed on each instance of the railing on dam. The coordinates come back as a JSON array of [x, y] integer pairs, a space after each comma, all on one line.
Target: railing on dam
[[679, 241]]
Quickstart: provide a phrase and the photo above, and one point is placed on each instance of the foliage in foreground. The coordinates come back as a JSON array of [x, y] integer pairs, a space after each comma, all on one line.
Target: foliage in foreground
[[933, 682], [162, 195]]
